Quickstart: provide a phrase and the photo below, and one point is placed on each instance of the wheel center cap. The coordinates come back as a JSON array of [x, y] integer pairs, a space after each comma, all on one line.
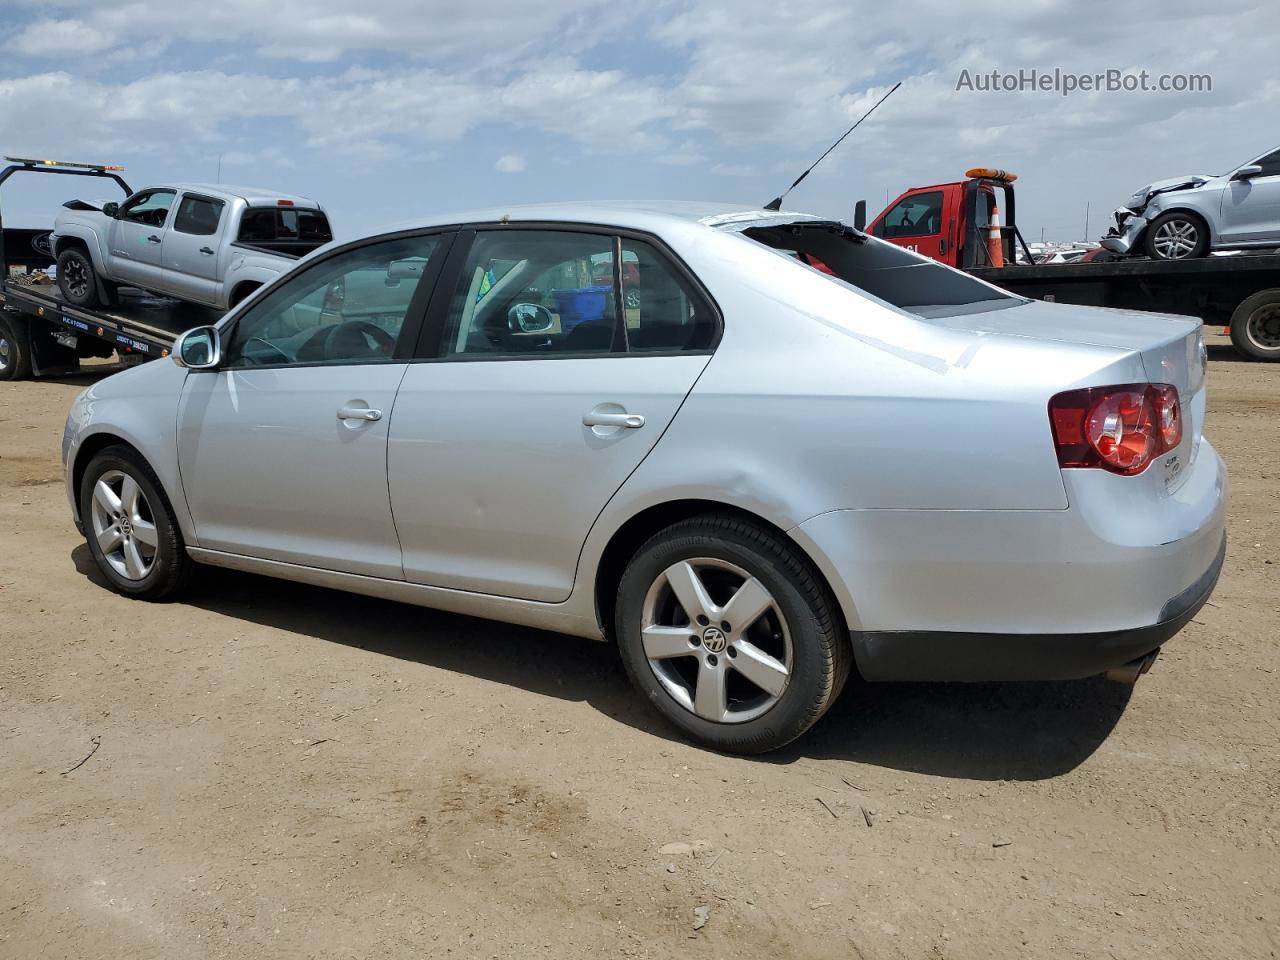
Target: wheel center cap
[[126, 526], [714, 640]]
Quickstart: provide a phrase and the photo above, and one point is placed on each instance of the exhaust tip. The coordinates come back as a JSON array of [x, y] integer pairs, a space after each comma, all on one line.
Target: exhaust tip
[[1130, 672]]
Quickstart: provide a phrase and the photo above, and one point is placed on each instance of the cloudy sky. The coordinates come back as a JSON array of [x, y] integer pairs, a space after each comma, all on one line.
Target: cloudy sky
[[381, 108]]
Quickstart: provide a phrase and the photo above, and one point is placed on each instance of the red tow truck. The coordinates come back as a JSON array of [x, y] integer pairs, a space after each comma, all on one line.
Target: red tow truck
[[953, 223]]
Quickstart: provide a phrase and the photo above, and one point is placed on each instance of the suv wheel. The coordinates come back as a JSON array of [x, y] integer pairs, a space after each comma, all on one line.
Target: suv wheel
[[1177, 236], [730, 634], [130, 527], [76, 278]]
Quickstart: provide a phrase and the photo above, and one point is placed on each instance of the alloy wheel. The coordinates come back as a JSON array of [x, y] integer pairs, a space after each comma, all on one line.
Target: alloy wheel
[[1176, 239], [716, 640], [77, 277], [124, 525]]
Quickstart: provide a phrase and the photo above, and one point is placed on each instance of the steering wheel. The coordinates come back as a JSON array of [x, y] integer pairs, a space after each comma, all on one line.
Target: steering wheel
[[346, 341], [284, 357]]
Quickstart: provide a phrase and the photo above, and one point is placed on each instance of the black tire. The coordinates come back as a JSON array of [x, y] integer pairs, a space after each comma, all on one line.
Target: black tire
[[77, 279], [241, 293], [170, 566], [1255, 326], [15, 348], [820, 652], [1195, 232]]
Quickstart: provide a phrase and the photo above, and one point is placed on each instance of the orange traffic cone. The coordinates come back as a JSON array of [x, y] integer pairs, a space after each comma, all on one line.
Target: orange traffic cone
[[995, 243]]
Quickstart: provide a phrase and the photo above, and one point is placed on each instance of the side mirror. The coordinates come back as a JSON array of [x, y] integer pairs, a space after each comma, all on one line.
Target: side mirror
[[111, 210], [409, 268], [529, 318], [860, 216], [1247, 173], [198, 349]]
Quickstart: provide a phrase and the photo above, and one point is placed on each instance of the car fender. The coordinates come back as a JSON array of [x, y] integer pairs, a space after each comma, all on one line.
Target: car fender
[[124, 407], [245, 267]]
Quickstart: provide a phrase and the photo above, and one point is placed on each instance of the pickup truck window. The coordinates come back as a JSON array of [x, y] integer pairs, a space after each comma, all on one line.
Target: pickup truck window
[[915, 216], [281, 223], [150, 208], [198, 216]]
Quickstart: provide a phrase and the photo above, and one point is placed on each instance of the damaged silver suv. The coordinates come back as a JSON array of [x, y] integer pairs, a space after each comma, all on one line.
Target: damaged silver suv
[[1186, 217]]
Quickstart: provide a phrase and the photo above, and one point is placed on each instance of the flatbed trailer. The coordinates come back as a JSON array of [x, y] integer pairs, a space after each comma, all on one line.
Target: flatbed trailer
[[41, 334], [1240, 293]]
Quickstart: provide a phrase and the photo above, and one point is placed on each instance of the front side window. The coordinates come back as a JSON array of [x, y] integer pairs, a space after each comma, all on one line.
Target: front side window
[[919, 215], [348, 308], [149, 209], [534, 292], [1270, 164], [198, 216]]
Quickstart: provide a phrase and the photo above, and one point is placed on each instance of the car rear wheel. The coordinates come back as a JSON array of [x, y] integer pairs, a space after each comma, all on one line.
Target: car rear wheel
[[1255, 326], [1177, 236], [730, 634], [130, 527], [76, 278]]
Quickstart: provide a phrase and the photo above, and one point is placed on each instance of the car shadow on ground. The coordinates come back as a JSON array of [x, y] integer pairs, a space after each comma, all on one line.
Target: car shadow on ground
[[1010, 731]]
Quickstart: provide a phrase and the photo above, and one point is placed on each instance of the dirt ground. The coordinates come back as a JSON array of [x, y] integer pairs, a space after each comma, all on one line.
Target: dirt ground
[[284, 771]]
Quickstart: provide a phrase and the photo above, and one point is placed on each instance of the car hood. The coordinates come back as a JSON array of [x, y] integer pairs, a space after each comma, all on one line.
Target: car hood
[[1168, 185]]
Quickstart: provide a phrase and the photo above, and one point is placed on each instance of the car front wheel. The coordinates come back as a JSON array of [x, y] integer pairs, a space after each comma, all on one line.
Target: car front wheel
[[1177, 236], [76, 278], [130, 527], [730, 634]]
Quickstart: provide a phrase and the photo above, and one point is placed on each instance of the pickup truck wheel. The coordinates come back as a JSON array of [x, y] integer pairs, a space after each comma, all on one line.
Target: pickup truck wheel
[[15, 349], [76, 278], [130, 527], [1255, 326], [1177, 236]]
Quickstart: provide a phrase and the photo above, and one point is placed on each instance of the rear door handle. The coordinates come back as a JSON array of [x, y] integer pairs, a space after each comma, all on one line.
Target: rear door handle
[[207, 250], [632, 421], [153, 239], [359, 413]]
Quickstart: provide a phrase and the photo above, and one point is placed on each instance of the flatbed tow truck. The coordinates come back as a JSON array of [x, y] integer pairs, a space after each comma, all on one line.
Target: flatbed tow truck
[[41, 334], [955, 223]]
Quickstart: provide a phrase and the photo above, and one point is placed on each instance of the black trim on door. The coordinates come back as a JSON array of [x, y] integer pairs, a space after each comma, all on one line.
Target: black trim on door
[[415, 315]]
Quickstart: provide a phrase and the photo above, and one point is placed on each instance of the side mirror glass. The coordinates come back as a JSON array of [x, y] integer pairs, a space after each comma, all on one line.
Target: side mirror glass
[[1247, 173], [198, 349], [529, 318], [111, 209], [860, 216], [410, 268]]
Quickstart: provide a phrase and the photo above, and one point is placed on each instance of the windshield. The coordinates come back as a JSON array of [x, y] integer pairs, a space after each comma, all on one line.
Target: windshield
[[887, 272]]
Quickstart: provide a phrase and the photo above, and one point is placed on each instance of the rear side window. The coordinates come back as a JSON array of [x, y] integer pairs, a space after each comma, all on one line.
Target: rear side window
[[198, 216], [883, 270], [284, 223], [664, 312]]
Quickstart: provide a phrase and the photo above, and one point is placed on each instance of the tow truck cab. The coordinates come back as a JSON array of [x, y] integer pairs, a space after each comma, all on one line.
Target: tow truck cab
[[950, 222]]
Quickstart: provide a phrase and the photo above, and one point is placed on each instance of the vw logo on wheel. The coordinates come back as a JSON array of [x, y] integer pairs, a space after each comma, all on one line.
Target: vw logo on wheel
[[714, 640]]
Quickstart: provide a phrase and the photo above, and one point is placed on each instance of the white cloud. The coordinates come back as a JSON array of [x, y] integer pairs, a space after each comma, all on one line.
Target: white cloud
[[511, 163], [59, 38]]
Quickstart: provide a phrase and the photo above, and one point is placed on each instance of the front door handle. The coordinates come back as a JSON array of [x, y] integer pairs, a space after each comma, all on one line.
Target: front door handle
[[208, 251], [632, 421], [359, 413], [153, 239]]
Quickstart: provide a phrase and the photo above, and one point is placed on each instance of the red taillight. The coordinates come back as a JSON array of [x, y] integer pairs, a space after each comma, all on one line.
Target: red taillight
[[1121, 429]]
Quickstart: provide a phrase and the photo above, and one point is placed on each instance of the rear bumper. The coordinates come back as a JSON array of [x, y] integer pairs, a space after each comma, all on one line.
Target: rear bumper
[[946, 656]]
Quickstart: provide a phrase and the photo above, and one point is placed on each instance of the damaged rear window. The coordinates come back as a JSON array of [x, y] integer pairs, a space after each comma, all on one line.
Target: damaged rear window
[[887, 272]]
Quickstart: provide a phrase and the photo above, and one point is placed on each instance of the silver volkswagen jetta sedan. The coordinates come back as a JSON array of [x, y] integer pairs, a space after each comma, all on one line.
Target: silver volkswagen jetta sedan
[[757, 450]]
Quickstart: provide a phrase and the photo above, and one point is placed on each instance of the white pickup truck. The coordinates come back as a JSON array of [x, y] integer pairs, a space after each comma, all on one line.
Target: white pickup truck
[[210, 244]]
